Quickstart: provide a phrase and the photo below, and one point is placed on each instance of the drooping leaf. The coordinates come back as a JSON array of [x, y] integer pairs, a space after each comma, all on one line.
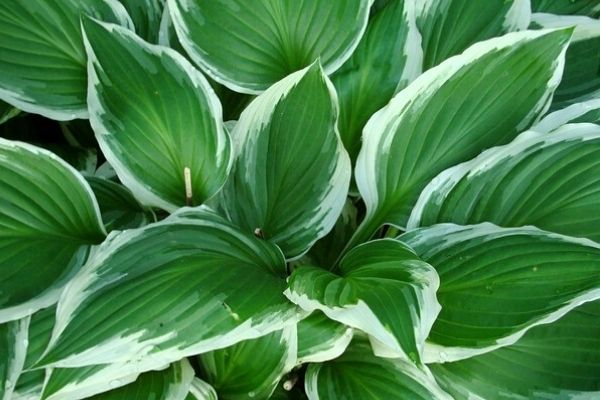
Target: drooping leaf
[[497, 283], [359, 375], [48, 219], [448, 27], [479, 99], [269, 38], [567, 7], [381, 288], [388, 58], [146, 16], [588, 111], [291, 174], [581, 78], [119, 209], [555, 361], [173, 122], [251, 368], [200, 390], [184, 273], [547, 180], [13, 345], [321, 339], [42, 59]]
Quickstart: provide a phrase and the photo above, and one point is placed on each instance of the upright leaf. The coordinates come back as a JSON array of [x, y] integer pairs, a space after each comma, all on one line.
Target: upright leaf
[[559, 360], [251, 368], [381, 288], [473, 101], [48, 219], [547, 180], [13, 345], [448, 27], [200, 390], [146, 16], [269, 38], [172, 124], [497, 283], [291, 173], [42, 59], [184, 273]]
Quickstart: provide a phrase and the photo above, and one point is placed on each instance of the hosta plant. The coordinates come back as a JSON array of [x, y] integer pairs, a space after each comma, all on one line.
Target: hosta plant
[[291, 199]]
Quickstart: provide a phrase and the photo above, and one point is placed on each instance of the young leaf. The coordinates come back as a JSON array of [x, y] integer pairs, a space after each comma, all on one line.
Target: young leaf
[[470, 102], [185, 274], [321, 339], [381, 288], [359, 375], [550, 181], [291, 174], [172, 124], [248, 46], [48, 219], [557, 360], [200, 390], [251, 368], [13, 346], [146, 16], [497, 283], [42, 67]]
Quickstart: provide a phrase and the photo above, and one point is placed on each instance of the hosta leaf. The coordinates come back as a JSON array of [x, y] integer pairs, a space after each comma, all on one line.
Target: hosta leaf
[[251, 368], [48, 219], [172, 123], [567, 7], [359, 375], [560, 360], [270, 39], [381, 288], [479, 99], [13, 346], [119, 209], [321, 339], [547, 180], [448, 27], [38, 336], [185, 274], [29, 385], [200, 390], [7, 112], [146, 16], [387, 59], [496, 283], [172, 383], [42, 59], [581, 78], [588, 111], [291, 174]]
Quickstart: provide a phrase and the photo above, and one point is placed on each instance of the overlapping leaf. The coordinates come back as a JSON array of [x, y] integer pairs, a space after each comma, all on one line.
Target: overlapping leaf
[[547, 180], [172, 124], [497, 283], [321, 339], [291, 174], [146, 16], [42, 62], [381, 288], [290, 36], [567, 7], [200, 390], [587, 111], [13, 345], [48, 219]]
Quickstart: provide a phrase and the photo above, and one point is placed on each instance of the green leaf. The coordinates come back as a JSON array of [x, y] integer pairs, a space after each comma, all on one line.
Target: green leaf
[[146, 16], [567, 7], [42, 68], [359, 375], [251, 368], [13, 346], [560, 360], [7, 112], [550, 181], [291, 174], [48, 219], [448, 27], [497, 283], [479, 99], [588, 111], [29, 385], [387, 59], [270, 39], [381, 288], [321, 339], [38, 336], [581, 78], [119, 209], [172, 123], [172, 383], [200, 390], [184, 273]]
